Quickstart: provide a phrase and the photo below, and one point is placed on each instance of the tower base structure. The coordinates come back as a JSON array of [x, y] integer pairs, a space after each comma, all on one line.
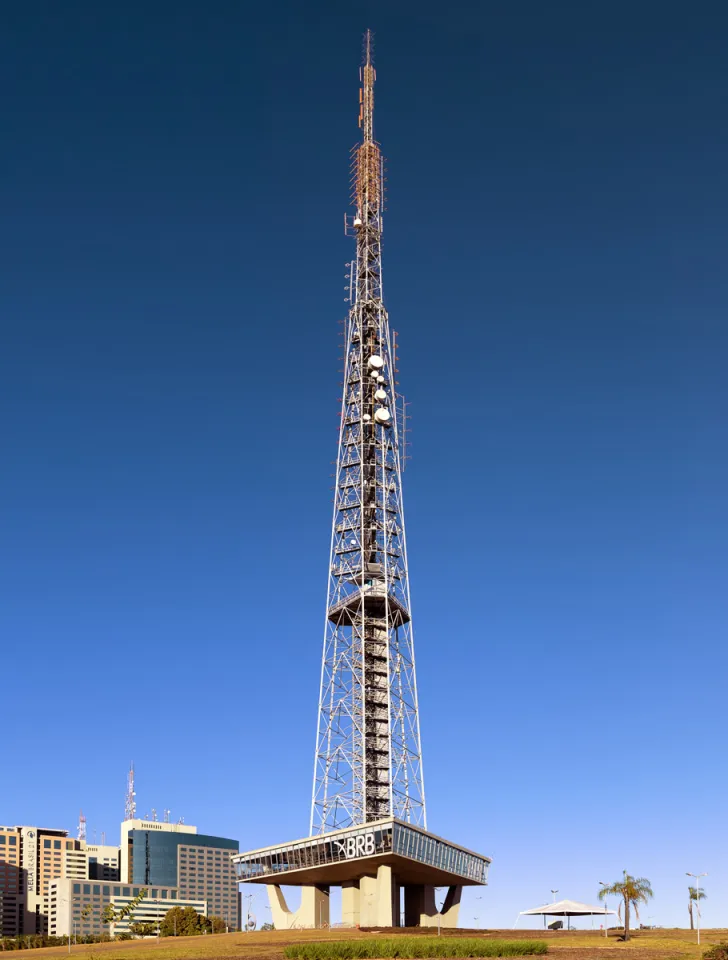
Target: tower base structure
[[387, 871]]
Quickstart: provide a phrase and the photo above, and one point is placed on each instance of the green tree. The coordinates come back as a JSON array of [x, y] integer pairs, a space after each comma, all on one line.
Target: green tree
[[694, 896], [108, 915], [217, 925], [144, 929], [184, 922], [633, 891]]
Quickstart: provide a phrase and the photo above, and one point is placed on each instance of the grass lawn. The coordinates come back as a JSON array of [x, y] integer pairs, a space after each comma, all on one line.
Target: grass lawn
[[665, 944]]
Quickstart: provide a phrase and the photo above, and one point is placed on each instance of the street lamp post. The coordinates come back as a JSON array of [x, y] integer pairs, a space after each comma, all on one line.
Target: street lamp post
[[477, 918], [71, 918], [696, 877], [553, 900], [603, 884], [248, 897], [438, 909]]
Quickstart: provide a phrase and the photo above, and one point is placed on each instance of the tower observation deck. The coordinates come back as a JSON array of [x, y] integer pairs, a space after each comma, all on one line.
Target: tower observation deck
[[368, 824]]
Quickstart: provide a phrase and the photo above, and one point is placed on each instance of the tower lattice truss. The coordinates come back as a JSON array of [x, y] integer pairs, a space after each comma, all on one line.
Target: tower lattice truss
[[368, 761]]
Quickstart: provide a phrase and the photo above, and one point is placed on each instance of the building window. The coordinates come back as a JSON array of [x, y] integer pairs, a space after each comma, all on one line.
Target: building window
[[105, 891], [126, 892], [87, 888], [47, 844], [117, 891], [77, 888], [56, 844]]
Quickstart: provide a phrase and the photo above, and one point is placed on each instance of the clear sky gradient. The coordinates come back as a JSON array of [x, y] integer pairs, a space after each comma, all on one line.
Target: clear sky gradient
[[174, 179]]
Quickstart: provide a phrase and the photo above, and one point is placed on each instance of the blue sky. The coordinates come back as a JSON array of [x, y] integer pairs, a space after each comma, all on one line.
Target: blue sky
[[174, 178]]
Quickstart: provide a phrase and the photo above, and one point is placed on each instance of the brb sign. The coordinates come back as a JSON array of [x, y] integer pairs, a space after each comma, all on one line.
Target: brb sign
[[361, 846]]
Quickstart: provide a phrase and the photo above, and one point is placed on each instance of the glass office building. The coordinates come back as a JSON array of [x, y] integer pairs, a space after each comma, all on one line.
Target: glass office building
[[197, 865]]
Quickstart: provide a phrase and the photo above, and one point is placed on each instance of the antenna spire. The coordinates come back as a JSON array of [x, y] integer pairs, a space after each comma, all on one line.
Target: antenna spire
[[130, 804], [367, 76], [367, 176], [81, 834]]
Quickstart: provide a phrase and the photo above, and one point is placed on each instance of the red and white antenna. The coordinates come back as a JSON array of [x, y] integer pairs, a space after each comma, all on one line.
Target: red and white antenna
[[81, 834], [130, 804]]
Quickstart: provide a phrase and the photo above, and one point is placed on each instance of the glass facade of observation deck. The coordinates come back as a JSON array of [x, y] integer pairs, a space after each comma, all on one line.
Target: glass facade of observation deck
[[366, 841]]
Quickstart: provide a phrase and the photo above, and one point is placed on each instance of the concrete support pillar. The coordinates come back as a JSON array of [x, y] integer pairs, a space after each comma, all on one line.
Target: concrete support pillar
[[451, 907], [448, 917], [386, 889], [414, 904], [396, 903], [379, 899], [313, 912], [350, 898], [368, 902]]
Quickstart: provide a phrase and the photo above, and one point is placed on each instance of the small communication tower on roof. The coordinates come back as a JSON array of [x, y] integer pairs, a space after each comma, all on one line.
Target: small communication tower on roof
[[130, 804], [81, 833]]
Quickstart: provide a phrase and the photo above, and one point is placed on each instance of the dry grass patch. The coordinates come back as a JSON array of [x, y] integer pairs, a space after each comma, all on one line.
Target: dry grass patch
[[663, 944]]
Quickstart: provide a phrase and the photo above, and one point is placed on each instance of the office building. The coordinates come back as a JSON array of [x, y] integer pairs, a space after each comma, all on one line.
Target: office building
[[77, 907], [172, 861], [103, 862], [30, 857], [174, 855], [12, 887]]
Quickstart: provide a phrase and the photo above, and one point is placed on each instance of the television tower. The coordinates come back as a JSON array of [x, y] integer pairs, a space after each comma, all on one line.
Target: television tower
[[81, 832], [368, 761]]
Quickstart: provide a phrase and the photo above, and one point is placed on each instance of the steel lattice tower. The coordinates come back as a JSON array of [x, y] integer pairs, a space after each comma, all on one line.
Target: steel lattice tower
[[368, 762]]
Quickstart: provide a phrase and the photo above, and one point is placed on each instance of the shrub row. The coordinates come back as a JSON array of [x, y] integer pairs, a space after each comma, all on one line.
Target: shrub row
[[412, 948], [33, 941]]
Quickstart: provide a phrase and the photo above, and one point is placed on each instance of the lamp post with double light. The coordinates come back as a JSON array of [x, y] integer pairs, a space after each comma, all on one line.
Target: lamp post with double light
[[696, 877], [71, 918], [603, 884], [553, 900]]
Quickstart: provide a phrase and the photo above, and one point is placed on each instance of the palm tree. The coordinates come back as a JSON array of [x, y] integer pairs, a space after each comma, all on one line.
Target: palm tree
[[695, 895], [633, 890]]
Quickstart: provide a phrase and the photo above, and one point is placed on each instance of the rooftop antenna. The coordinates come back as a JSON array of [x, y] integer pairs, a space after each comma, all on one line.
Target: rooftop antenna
[[130, 805], [81, 834], [167, 814], [154, 814], [103, 838], [181, 820]]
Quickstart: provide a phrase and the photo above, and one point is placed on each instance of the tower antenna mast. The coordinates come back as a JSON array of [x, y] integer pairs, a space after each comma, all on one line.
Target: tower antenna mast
[[81, 833], [130, 804], [368, 760]]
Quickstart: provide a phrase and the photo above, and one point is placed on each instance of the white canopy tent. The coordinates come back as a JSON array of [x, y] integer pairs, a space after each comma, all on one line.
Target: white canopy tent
[[565, 908]]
